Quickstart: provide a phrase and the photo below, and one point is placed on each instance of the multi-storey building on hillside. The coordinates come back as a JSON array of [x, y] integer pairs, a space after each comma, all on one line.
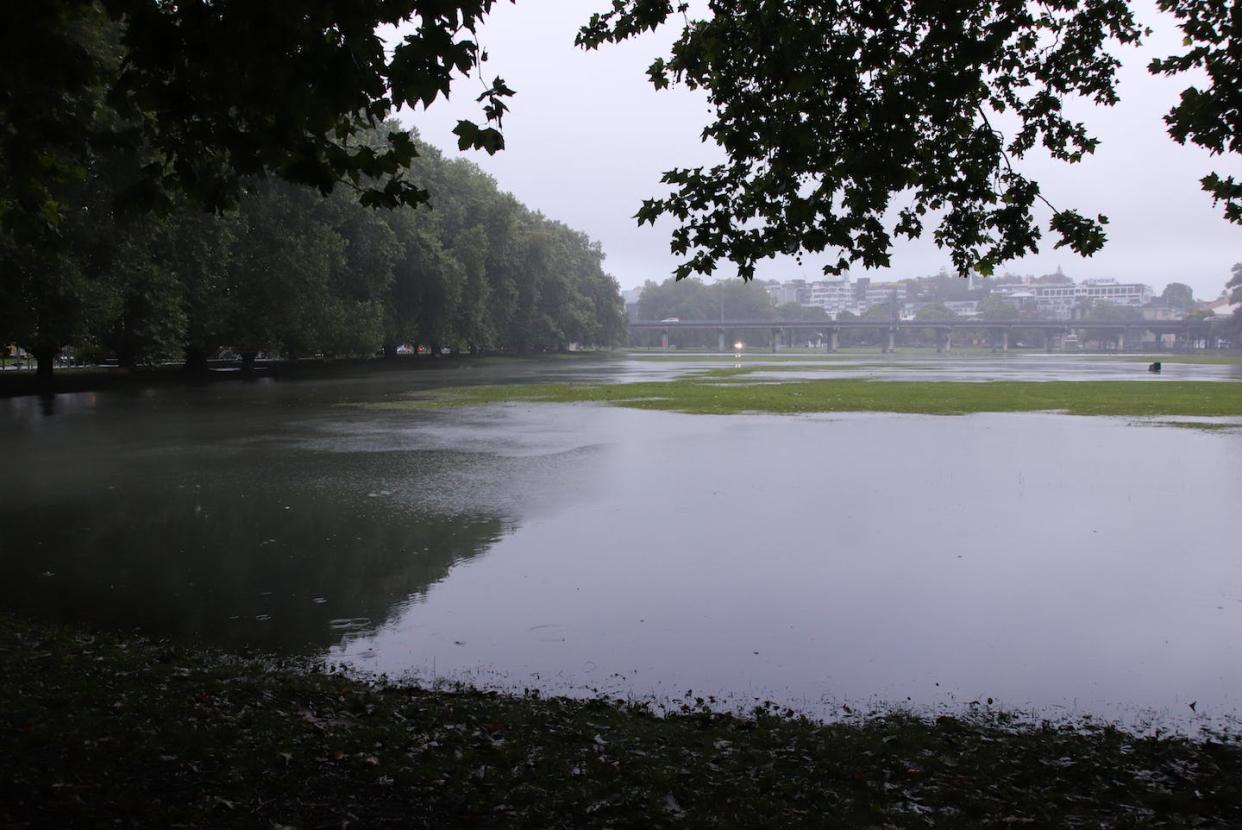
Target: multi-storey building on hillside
[[790, 291], [1062, 300], [1059, 301], [833, 296], [963, 308], [884, 292]]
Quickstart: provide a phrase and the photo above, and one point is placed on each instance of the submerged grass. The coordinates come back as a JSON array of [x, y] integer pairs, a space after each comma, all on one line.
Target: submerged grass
[[1205, 426], [914, 353], [101, 729], [712, 394], [849, 353], [1206, 359]]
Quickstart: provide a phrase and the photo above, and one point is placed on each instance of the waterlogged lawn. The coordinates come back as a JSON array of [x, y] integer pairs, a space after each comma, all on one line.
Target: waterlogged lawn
[[850, 353], [909, 354], [1204, 359], [724, 392], [99, 729]]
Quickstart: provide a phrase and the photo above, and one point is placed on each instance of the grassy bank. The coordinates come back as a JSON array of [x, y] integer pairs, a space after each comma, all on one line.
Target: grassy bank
[[104, 728], [715, 394]]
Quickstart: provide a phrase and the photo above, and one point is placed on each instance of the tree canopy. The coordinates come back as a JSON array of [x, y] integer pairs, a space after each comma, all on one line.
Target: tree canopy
[[1178, 295], [200, 96], [1234, 287], [846, 123], [293, 273]]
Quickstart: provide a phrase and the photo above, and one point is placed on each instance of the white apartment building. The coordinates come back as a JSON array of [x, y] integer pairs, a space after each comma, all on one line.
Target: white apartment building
[[833, 296], [1059, 301], [881, 293], [963, 308]]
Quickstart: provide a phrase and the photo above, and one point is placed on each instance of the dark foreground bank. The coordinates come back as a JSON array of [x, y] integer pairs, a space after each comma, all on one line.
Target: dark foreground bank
[[97, 729], [96, 378]]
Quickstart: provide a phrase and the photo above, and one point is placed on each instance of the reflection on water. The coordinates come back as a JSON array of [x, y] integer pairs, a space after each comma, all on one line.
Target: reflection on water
[[1074, 565], [268, 562]]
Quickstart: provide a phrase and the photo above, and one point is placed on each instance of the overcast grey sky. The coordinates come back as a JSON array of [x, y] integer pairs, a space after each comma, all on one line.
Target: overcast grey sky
[[588, 138]]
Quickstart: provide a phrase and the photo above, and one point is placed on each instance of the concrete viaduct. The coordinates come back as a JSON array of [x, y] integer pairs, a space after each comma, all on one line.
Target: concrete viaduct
[[999, 332]]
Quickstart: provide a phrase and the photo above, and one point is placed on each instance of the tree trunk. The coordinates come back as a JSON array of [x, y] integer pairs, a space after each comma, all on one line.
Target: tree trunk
[[127, 357], [195, 360], [45, 357], [390, 351]]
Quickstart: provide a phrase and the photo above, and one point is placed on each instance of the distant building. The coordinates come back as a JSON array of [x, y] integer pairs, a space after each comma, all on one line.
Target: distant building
[[1018, 295], [1221, 307], [631, 297], [833, 296], [880, 293], [791, 291], [1059, 301], [1051, 296], [1158, 311]]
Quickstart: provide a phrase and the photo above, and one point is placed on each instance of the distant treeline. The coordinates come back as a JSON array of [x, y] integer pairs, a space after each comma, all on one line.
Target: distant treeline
[[293, 273], [733, 299], [693, 299]]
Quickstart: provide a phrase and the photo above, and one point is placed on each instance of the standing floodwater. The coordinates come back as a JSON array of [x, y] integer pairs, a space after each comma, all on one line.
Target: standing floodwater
[[1073, 565]]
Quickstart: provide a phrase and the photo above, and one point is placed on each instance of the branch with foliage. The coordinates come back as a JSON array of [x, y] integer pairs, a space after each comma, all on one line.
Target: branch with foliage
[[203, 96], [1210, 118], [832, 111]]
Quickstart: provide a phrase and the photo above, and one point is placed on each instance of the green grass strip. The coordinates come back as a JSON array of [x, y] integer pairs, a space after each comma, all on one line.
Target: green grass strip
[[714, 396]]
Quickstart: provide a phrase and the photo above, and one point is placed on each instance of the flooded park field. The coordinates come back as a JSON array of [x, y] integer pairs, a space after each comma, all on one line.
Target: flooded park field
[[1059, 565]]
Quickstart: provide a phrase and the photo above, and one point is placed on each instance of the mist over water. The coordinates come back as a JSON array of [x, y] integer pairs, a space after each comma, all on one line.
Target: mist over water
[[1069, 566]]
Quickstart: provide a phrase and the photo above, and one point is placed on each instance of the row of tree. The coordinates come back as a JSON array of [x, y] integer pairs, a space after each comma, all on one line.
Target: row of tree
[[694, 299], [295, 273]]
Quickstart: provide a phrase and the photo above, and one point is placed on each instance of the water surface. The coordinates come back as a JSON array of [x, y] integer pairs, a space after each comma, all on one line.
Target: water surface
[[1079, 566]]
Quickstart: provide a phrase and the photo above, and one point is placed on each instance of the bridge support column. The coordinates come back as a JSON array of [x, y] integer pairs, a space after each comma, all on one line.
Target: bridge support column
[[833, 341], [890, 341], [776, 340], [722, 342], [1048, 335], [1005, 340], [664, 339], [944, 340]]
